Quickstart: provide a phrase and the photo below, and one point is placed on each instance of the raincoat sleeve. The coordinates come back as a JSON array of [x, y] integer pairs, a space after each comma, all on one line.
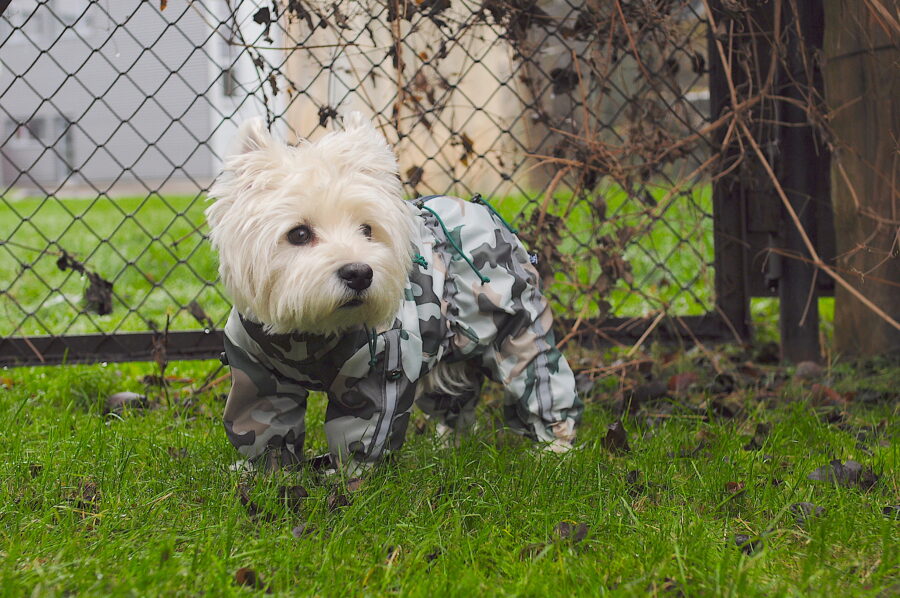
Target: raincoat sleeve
[[265, 411]]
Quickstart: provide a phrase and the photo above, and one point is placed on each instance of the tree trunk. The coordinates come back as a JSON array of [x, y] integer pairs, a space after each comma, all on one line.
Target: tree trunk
[[863, 94]]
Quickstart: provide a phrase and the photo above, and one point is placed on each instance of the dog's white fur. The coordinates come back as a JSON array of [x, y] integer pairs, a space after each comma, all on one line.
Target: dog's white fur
[[335, 186]]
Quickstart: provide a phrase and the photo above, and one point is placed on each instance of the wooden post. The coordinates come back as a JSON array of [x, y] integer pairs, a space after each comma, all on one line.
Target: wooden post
[[862, 84], [729, 196], [801, 172]]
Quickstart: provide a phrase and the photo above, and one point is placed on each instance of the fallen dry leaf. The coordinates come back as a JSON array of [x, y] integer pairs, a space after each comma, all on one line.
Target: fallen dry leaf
[[827, 396], [533, 550], [734, 487], [685, 453], [667, 587], [759, 437], [616, 439], [747, 544], [253, 509], [321, 463], [566, 530], [727, 406], [749, 369], [393, 552], [851, 473], [808, 370], [337, 501], [245, 576], [633, 483], [805, 510], [293, 497], [86, 496], [723, 383], [177, 453], [303, 529], [632, 399], [680, 383]]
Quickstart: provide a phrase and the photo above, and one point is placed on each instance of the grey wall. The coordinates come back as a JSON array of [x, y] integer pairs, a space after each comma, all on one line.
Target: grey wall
[[133, 85]]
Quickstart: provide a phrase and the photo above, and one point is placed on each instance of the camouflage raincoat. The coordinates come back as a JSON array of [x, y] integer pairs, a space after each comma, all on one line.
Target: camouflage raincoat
[[473, 295]]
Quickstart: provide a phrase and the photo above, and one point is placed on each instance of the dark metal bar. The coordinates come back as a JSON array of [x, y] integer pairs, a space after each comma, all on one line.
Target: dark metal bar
[[93, 348], [709, 328]]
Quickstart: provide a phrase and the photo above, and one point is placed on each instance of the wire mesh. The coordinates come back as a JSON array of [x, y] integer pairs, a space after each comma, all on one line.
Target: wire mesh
[[582, 122]]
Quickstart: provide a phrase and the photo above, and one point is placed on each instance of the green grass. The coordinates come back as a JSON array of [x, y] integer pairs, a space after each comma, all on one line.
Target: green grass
[[149, 248], [153, 252], [166, 519], [670, 254]]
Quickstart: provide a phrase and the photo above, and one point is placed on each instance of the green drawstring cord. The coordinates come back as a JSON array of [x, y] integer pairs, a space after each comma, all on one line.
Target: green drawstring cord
[[418, 259], [478, 199], [372, 341], [456, 247]]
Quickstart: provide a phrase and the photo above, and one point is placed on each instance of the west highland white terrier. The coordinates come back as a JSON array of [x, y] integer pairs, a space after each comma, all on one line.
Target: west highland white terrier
[[340, 285]]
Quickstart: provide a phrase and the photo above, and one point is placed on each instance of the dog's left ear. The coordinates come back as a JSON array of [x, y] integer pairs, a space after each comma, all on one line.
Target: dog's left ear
[[356, 120], [378, 154], [251, 136]]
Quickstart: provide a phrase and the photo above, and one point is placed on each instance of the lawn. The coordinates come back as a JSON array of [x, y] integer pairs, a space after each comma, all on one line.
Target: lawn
[[144, 503], [669, 248], [703, 501], [149, 248]]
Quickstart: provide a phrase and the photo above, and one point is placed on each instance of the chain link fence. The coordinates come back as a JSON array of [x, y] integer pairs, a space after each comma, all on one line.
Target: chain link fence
[[585, 123]]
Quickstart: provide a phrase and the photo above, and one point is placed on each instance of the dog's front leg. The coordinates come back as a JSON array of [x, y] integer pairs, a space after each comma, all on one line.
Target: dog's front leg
[[265, 414], [367, 416]]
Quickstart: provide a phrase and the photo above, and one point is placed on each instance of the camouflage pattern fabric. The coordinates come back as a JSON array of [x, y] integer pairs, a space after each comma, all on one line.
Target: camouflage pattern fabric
[[502, 327]]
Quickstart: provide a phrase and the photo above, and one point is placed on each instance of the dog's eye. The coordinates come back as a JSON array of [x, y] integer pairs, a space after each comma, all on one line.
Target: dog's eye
[[366, 230], [300, 235]]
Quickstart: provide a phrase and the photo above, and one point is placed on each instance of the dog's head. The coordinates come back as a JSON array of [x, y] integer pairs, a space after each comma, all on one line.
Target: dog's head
[[313, 238]]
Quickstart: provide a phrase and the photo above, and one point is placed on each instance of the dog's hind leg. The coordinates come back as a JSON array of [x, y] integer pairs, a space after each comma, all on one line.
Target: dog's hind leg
[[449, 394], [541, 399]]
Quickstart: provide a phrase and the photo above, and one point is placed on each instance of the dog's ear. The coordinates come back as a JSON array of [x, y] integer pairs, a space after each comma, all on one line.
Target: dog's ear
[[252, 135], [252, 154], [370, 150], [355, 121]]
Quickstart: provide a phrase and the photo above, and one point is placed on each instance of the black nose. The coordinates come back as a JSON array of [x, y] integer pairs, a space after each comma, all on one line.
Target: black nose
[[356, 276]]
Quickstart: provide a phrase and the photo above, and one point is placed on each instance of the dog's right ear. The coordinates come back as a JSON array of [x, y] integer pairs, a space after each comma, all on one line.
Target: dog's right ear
[[252, 153], [252, 136]]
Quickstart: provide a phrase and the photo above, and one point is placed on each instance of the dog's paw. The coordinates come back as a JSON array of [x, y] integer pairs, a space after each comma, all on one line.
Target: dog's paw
[[558, 446], [242, 466], [447, 437], [561, 437]]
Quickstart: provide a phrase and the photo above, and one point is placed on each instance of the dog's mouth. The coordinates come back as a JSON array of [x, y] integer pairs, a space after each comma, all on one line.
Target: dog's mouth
[[356, 302]]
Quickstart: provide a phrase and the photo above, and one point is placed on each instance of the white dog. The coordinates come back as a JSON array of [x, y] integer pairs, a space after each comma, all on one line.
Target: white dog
[[340, 285]]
